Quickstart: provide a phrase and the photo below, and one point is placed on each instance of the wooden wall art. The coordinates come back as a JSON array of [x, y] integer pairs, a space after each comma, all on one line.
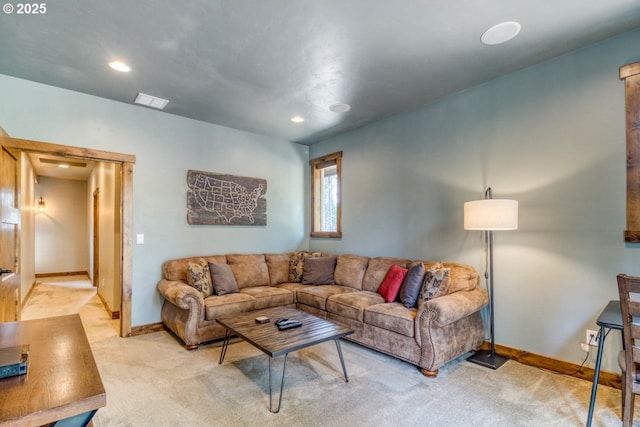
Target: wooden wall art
[[218, 199], [631, 76]]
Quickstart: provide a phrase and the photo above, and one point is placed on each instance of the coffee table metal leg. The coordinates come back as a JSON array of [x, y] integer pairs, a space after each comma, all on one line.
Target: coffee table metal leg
[[344, 369], [284, 368], [225, 345]]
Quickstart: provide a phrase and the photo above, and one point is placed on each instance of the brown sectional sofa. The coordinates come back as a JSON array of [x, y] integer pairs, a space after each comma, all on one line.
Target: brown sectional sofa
[[439, 331]]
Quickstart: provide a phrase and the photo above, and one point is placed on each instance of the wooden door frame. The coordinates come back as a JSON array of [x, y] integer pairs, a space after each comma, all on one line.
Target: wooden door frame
[[126, 206], [96, 238]]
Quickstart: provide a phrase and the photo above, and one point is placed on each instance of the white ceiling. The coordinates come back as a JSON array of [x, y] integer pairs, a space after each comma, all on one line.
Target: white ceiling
[[253, 64]]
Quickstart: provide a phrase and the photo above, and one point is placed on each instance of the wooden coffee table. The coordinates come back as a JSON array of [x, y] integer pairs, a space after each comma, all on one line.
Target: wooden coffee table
[[62, 383], [273, 342]]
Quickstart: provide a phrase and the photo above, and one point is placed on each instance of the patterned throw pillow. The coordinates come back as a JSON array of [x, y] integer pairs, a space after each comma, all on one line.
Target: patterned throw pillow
[[199, 277], [296, 266], [436, 284]]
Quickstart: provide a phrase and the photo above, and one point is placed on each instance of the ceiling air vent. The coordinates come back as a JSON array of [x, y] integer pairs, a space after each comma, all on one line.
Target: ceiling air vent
[[151, 101]]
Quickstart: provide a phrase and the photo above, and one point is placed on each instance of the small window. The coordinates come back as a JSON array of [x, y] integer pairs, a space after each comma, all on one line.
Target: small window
[[326, 212]]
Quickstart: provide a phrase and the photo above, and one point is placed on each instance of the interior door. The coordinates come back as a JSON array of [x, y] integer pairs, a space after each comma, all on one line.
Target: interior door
[[9, 235]]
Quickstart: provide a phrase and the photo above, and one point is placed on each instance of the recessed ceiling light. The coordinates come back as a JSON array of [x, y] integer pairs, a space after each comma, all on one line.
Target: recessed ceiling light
[[119, 66], [151, 101], [63, 166], [297, 119], [501, 33], [340, 108]]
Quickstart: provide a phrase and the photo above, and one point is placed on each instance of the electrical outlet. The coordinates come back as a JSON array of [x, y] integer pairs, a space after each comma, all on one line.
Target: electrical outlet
[[592, 337]]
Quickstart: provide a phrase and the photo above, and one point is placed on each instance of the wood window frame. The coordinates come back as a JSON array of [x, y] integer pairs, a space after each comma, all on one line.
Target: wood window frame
[[317, 165]]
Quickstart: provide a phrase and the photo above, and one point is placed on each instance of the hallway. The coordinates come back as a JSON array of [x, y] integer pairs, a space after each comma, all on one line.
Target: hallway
[[57, 296]]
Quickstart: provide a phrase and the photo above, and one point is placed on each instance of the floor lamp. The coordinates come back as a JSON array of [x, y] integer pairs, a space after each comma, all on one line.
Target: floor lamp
[[490, 215]]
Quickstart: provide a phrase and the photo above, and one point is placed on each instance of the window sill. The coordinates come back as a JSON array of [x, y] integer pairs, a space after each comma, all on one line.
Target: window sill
[[327, 234]]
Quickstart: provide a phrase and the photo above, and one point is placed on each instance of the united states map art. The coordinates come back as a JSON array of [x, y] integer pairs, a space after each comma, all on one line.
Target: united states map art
[[219, 199]]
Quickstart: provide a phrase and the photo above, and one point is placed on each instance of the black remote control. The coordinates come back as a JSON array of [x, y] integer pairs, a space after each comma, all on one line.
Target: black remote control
[[288, 324]]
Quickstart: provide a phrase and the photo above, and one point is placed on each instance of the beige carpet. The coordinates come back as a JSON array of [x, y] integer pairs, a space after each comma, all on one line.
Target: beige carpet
[[151, 380]]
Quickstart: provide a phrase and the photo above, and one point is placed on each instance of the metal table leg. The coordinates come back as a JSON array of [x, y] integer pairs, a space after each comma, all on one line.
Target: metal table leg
[[225, 345], [344, 369], [284, 368], [596, 375]]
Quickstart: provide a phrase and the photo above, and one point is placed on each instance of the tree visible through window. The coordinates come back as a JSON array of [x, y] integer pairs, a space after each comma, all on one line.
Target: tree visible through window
[[325, 196]]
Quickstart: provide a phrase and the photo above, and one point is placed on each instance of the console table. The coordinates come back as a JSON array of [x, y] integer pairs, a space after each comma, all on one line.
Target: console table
[[62, 382]]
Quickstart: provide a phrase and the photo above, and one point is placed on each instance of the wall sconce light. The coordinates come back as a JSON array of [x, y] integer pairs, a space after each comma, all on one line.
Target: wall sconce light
[[41, 204]]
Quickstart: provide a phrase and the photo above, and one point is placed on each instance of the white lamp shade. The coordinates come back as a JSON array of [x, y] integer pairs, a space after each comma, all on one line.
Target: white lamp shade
[[491, 214]]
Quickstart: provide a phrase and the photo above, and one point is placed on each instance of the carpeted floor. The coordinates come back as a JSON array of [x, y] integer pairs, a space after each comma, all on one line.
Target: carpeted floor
[[151, 380]]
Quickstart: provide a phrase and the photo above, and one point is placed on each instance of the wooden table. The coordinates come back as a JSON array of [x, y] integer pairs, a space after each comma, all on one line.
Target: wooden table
[[62, 383], [273, 342]]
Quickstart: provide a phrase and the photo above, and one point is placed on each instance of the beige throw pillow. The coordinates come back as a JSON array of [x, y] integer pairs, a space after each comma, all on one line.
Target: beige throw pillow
[[318, 270], [224, 282]]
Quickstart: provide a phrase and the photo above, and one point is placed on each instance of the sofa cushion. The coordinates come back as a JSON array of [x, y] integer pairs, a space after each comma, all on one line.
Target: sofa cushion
[[278, 266], [350, 270], [268, 296], [392, 281], [352, 305], [316, 296], [199, 277], [249, 270], [435, 284], [411, 286], [377, 269], [318, 270], [293, 287], [218, 306], [393, 317], [222, 278], [176, 269], [463, 277]]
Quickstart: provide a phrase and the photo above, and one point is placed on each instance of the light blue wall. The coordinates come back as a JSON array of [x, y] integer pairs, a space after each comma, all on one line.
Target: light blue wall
[[166, 147], [551, 136]]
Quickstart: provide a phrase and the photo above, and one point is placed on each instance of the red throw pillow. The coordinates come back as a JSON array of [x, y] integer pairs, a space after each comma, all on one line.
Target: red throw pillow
[[392, 281]]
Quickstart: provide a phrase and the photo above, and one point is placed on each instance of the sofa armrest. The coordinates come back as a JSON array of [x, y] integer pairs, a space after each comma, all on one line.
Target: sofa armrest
[[449, 326], [453, 307], [180, 294]]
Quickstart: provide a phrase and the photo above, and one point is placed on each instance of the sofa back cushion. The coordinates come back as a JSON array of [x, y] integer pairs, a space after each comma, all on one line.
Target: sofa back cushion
[[176, 269], [350, 270], [463, 277], [278, 266], [249, 270], [377, 270]]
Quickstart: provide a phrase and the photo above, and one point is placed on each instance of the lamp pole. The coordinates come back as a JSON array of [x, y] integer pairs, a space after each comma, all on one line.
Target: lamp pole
[[489, 359]]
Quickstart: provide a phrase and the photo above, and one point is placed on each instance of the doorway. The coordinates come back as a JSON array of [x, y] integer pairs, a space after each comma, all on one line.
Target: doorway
[[125, 161], [96, 237]]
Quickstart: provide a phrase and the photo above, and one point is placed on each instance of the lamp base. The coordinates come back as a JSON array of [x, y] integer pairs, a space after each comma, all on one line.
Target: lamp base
[[484, 358]]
